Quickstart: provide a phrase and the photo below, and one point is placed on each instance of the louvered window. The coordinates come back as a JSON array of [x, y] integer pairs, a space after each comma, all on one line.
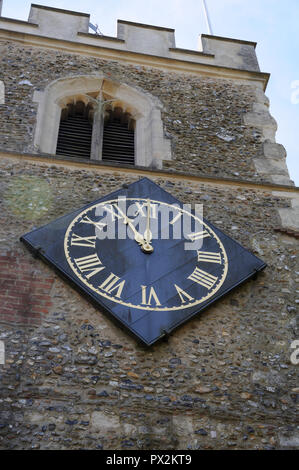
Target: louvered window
[[111, 140], [118, 137], [75, 131]]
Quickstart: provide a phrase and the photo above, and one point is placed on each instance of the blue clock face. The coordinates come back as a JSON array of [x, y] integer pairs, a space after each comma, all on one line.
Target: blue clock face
[[131, 254], [145, 272]]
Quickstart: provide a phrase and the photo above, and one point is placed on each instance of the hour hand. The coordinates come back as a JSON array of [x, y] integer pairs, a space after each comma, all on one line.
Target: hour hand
[[137, 236], [145, 246], [147, 235]]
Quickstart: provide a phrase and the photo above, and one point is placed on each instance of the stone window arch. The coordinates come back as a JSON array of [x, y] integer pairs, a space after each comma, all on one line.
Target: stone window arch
[[103, 96], [2, 92]]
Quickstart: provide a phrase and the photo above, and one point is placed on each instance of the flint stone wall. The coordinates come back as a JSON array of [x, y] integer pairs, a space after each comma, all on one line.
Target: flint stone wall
[[215, 126], [74, 380]]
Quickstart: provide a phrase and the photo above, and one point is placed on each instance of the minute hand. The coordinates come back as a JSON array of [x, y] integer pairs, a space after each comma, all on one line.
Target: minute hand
[[138, 237], [147, 247], [148, 234]]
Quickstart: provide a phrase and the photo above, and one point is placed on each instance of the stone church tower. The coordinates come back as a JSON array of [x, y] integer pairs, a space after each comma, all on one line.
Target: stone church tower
[[80, 115]]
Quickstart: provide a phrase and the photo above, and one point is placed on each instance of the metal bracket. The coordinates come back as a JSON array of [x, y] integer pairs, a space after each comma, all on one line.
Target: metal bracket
[[166, 335], [254, 277], [36, 251]]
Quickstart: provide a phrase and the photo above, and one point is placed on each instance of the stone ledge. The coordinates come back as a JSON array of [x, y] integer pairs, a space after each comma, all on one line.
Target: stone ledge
[[139, 170], [100, 36], [59, 10], [147, 26], [12, 20], [220, 38], [190, 51]]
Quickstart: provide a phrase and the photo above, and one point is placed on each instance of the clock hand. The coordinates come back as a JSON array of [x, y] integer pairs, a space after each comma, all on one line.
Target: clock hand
[[138, 237], [147, 247], [148, 234]]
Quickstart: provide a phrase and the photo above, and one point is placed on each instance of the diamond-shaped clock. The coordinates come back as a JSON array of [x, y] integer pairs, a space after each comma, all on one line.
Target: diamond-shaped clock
[[128, 253]]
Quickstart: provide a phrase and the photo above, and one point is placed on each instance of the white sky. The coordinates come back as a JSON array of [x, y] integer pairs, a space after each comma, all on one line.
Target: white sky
[[273, 24]]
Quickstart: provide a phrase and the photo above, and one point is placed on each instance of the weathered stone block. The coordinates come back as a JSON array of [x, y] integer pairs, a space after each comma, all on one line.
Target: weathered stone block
[[104, 422], [270, 166], [290, 218], [274, 151]]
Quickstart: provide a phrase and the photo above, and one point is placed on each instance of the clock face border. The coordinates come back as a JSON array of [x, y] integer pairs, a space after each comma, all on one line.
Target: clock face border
[[47, 243], [202, 299]]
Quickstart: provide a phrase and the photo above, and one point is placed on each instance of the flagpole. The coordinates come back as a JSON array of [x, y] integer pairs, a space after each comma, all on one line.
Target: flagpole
[[206, 12]]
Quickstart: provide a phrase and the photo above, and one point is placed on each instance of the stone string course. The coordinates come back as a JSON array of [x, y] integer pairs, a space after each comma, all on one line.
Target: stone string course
[[216, 127], [74, 380]]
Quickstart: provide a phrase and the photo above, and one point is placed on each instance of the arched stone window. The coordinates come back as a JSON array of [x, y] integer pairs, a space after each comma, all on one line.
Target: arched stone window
[[107, 104]]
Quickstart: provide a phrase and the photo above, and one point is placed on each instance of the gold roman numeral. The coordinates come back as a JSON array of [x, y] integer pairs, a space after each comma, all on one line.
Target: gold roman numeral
[[140, 207], [89, 242], [176, 218], [111, 284], [183, 294], [87, 220], [114, 211], [204, 279], [198, 235], [89, 263], [147, 300], [209, 257]]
